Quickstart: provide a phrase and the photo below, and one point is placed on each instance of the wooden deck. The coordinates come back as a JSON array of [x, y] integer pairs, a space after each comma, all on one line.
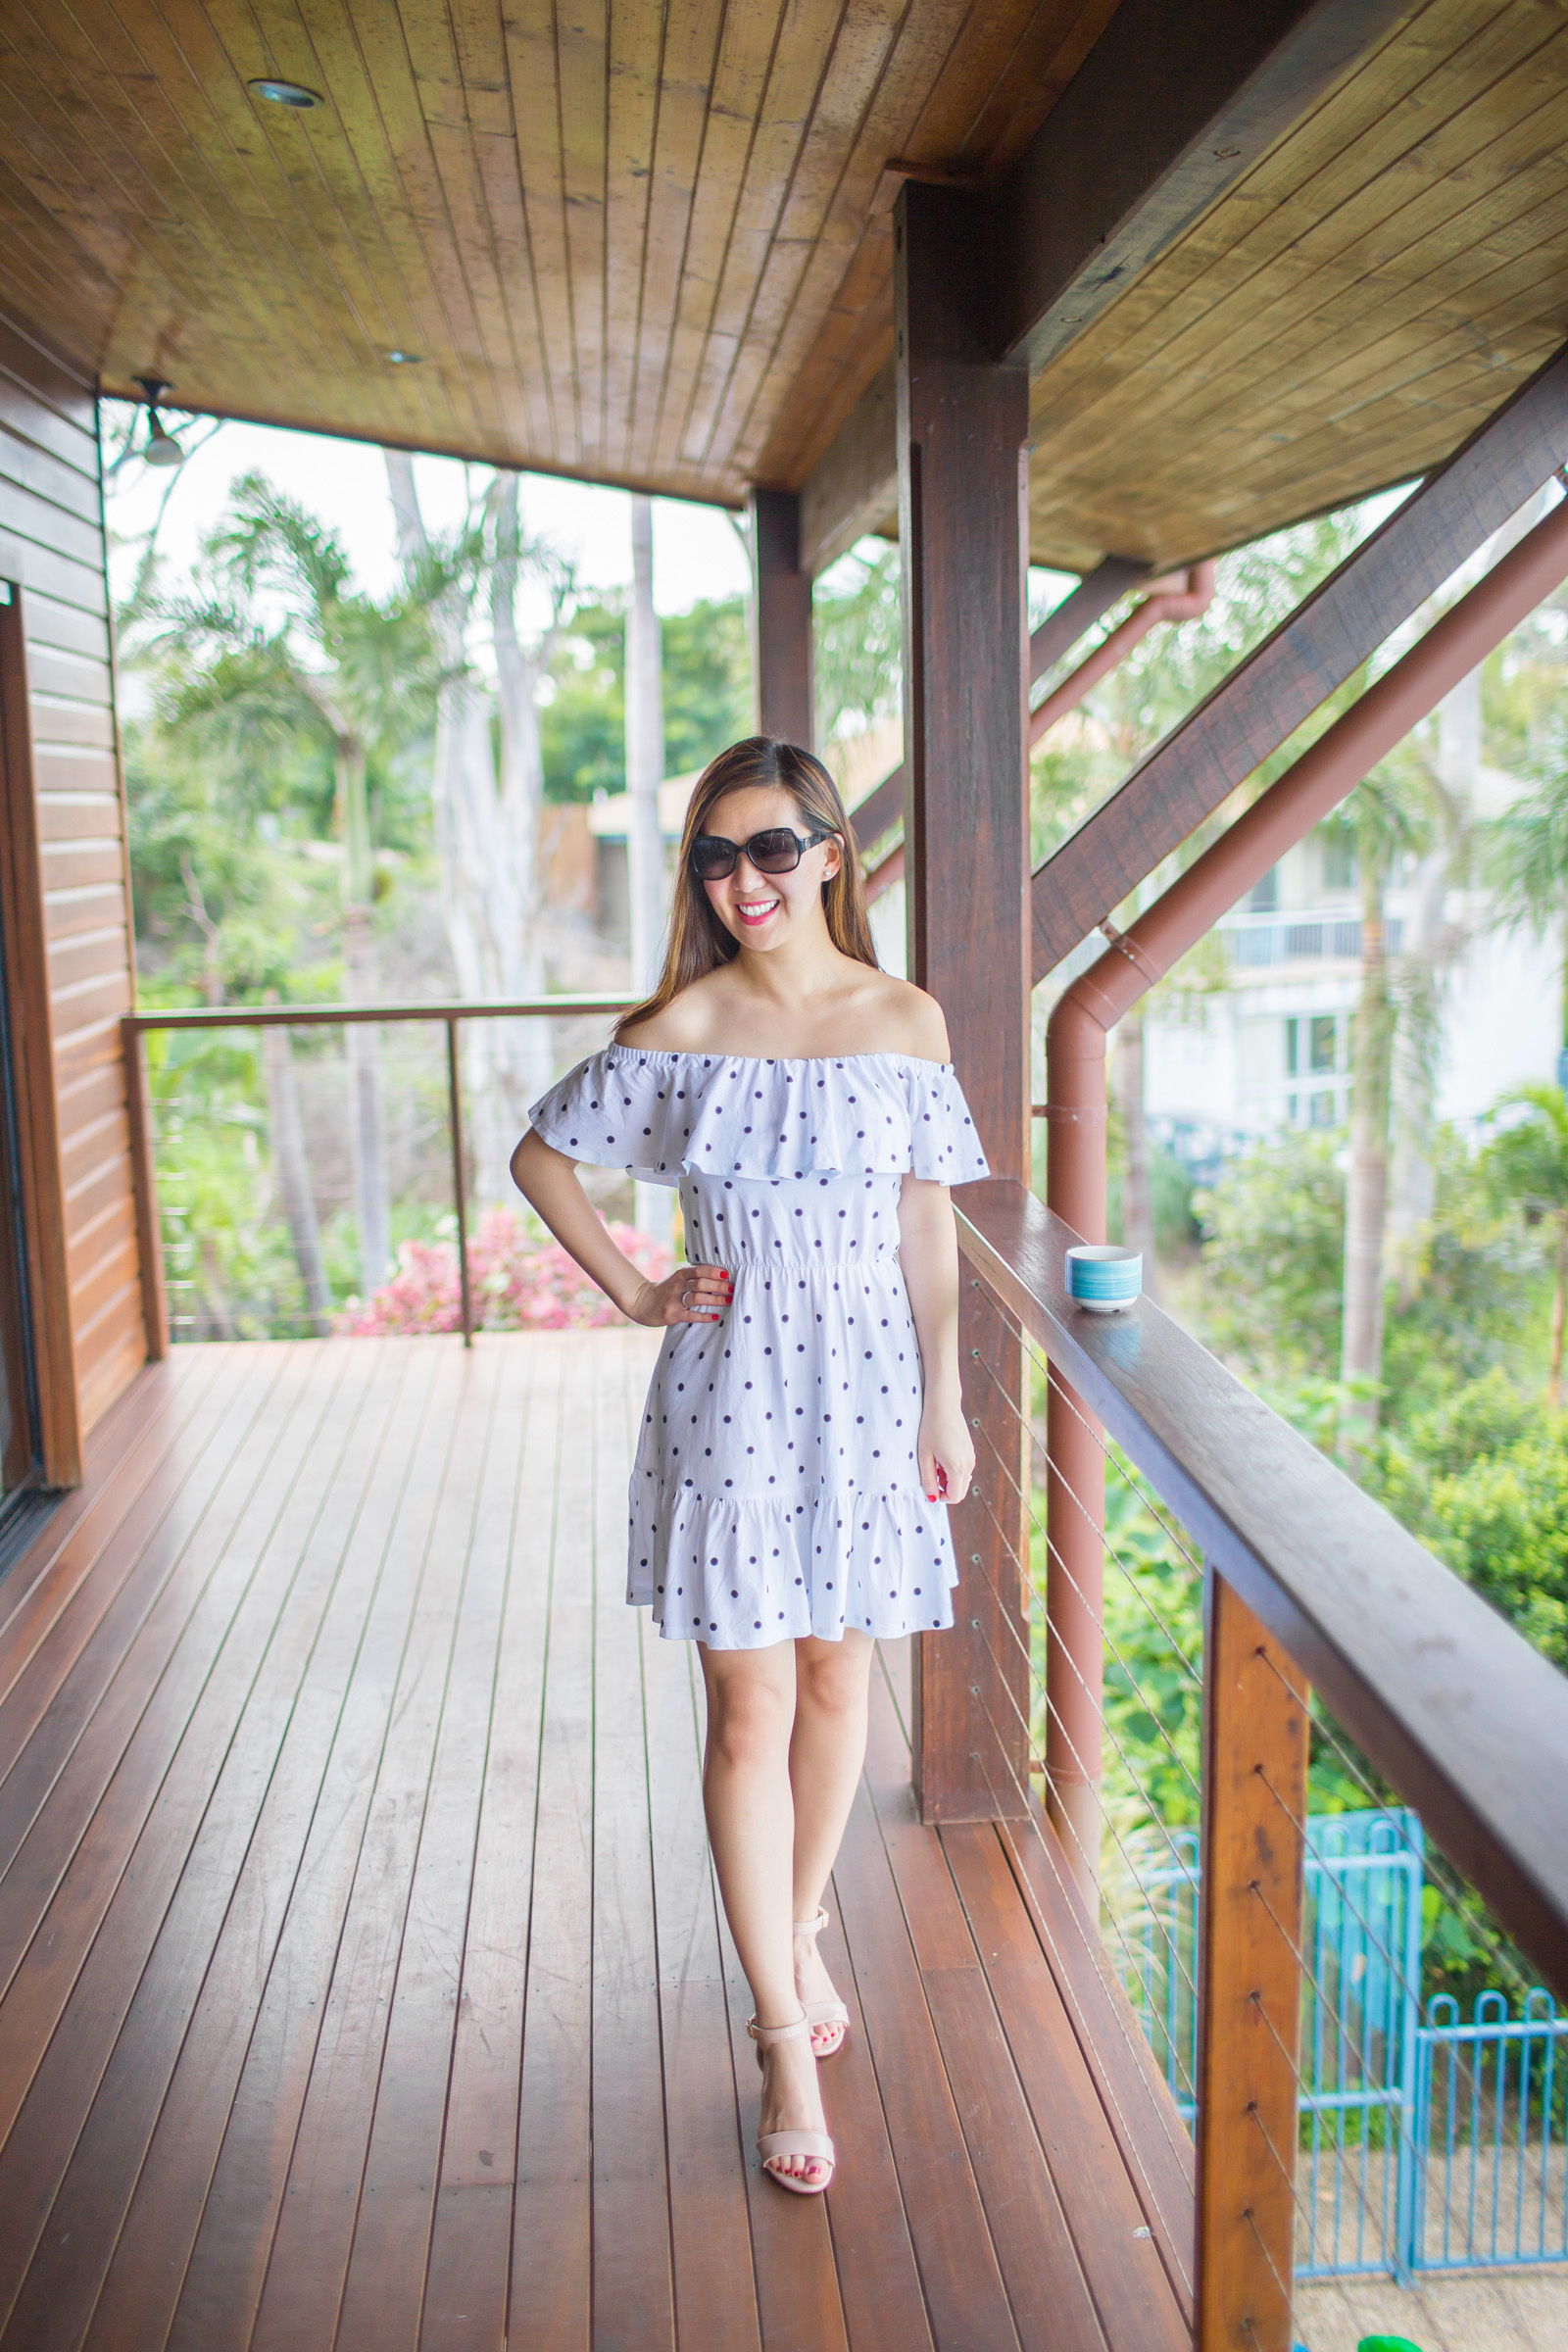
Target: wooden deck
[[362, 1982]]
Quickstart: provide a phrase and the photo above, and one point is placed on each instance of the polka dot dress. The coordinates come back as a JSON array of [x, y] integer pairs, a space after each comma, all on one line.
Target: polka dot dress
[[776, 1491]]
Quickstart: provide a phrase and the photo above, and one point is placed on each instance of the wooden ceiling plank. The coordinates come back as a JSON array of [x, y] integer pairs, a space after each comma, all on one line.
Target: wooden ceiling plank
[[266, 163], [828, 205], [1313, 172], [735, 99], [448, 112], [417, 194], [531, 67], [797, 71], [1234, 320], [691, 52], [636, 64], [1029, 81], [856, 342], [202, 206], [581, 43]]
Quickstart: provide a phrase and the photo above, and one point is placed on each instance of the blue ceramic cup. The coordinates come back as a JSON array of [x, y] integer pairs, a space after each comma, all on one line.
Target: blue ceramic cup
[[1103, 1277]]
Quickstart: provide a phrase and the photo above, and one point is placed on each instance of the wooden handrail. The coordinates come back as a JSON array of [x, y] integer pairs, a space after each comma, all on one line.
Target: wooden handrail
[[313, 1016], [1454, 1709]]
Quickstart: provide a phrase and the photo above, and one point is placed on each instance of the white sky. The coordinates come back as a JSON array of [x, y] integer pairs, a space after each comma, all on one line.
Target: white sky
[[696, 550]]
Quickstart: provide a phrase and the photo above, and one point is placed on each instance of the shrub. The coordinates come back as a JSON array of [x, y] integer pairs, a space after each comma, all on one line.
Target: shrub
[[518, 1282]]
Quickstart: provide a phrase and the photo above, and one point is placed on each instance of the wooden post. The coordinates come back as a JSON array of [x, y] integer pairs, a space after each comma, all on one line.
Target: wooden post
[[149, 1229], [781, 618], [962, 425], [1256, 1742]]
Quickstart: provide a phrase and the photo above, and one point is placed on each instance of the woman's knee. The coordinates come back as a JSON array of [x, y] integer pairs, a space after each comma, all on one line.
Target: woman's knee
[[749, 1719], [832, 1678]]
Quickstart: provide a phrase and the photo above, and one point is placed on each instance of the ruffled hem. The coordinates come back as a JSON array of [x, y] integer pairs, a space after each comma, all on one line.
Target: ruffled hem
[[661, 1115], [741, 1575]]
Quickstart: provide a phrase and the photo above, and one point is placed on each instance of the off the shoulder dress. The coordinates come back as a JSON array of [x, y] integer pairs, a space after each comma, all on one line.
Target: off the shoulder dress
[[776, 1491]]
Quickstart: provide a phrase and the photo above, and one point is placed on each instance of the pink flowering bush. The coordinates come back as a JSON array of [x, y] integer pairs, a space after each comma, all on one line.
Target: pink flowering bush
[[519, 1284]]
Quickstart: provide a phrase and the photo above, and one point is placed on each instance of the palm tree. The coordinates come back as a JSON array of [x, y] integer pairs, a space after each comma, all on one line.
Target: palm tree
[[1386, 815], [1526, 849], [1528, 1162], [286, 651]]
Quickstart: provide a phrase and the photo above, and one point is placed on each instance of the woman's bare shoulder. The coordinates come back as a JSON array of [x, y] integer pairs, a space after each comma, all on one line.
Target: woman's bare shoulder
[[687, 1025], [908, 1021]]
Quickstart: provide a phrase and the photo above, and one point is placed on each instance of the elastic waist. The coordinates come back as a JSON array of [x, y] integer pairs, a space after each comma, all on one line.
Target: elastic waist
[[817, 1265]]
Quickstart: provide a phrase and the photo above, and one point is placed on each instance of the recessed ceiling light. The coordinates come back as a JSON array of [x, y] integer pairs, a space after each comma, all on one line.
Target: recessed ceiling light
[[402, 359], [286, 93]]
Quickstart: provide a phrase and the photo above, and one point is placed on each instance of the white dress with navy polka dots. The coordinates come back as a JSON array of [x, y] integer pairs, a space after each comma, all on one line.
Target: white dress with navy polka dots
[[776, 1491]]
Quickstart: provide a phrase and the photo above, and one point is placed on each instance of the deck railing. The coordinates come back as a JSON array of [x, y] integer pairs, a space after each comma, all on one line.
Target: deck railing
[[1329, 1636], [448, 1017]]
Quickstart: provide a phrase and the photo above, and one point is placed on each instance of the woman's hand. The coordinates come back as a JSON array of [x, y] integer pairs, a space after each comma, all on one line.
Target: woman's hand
[[945, 1451], [691, 1295]]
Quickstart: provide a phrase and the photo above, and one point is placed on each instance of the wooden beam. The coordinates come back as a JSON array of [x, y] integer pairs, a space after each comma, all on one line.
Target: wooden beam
[[1256, 1735], [963, 423], [1177, 100], [883, 808], [1282, 682], [25, 947], [781, 618], [854, 486], [1080, 608]]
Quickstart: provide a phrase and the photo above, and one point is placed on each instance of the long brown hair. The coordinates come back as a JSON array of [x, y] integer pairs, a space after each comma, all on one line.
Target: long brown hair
[[698, 941]]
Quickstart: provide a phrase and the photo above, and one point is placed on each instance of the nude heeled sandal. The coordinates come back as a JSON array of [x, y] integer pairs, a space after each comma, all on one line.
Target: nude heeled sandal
[[771, 2146], [822, 2014]]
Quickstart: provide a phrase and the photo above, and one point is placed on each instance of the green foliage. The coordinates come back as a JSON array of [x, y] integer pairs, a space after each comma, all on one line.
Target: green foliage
[[1273, 1257], [707, 678], [858, 651]]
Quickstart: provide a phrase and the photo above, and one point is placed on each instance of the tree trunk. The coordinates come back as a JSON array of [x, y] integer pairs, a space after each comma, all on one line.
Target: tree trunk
[[364, 1041], [1366, 1191], [1430, 940], [486, 828], [1559, 1304], [293, 1174], [645, 773], [1136, 1204]]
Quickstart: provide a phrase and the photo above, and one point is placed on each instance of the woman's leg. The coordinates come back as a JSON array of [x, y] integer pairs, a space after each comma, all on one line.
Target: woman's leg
[[827, 1751], [751, 1828]]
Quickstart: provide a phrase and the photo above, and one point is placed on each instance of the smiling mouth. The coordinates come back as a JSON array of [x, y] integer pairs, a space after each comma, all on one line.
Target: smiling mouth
[[756, 911]]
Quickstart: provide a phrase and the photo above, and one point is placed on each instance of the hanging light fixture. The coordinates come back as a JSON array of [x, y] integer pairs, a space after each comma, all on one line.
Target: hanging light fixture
[[162, 449]]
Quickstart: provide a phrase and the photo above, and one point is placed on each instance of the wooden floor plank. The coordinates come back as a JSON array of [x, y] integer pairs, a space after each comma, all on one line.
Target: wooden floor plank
[[118, 1454], [67, 1999], [879, 2279], [1126, 2275], [470, 2243], [384, 2292], [236, 2228], [715, 2293], [632, 2286], [964, 2293], [1052, 2299], [792, 2247], [1155, 2145], [143, 2279], [552, 2260], [303, 2288], [150, 1505], [65, 1872], [366, 1982], [253, 1813]]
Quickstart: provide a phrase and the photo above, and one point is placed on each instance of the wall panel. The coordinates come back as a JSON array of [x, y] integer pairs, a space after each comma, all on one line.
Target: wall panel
[[72, 889]]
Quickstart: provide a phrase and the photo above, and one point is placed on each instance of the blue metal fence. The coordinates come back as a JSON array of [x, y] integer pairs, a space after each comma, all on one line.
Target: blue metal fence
[[1424, 2145]]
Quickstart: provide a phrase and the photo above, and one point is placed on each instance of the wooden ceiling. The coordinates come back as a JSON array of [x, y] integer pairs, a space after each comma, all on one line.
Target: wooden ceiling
[[1340, 320], [654, 245], [639, 244]]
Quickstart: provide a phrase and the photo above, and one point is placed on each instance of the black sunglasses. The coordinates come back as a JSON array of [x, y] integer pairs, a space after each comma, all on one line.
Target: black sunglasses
[[777, 851]]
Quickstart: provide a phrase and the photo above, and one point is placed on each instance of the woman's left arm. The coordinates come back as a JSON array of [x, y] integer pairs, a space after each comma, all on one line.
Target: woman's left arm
[[928, 1250]]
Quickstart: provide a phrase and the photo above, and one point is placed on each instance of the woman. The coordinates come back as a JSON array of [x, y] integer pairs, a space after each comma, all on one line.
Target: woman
[[805, 1428]]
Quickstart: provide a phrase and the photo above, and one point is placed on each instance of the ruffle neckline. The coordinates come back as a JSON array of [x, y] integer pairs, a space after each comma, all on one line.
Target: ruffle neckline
[[662, 1114]]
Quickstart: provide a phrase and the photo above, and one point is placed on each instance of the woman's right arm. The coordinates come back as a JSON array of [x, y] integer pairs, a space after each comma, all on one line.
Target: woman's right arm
[[548, 1180]]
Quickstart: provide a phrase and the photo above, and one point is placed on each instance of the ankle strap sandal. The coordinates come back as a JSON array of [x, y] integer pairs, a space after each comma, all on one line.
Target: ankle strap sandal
[[774, 2146], [829, 2020]]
